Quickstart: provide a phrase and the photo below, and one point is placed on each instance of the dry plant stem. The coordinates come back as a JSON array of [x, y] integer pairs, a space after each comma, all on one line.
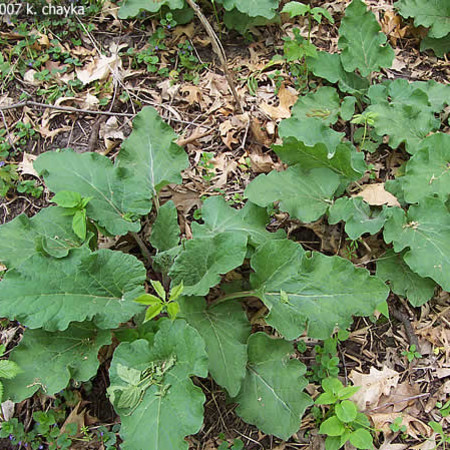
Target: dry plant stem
[[144, 250], [218, 48], [404, 319], [63, 108]]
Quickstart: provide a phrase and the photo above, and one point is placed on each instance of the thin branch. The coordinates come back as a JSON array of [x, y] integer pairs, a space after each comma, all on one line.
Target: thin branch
[[63, 108], [144, 250], [218, 48]]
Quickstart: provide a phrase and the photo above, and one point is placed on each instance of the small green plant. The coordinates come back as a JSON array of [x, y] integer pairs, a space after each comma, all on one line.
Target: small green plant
[[74, 205], [30, 187], [443, 438], [367, 119], [397, 425], [444, 408], [8, 176], [343, 423], [8, 369], [411, 353], [158, 304], [299, 48], [207, 166], [236, 445]]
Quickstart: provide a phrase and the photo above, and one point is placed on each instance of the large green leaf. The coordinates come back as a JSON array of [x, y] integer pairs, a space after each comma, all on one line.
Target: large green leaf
[[358, 216], [271, 396], [323, 104], [329, 66], [348, 163], [49, 360], [363, 46], [433, 14], [170, 408], [49, 230], [131, 8], [425, 231], [202, 261], [219, 217], [318, 293], [438, 93], [151, 154], [165, 230], [311, 131], [428, 170], [225, 330], [235, 20], [50, 293], [440, 46], [305, 195], [402, 280], [115, 199], [408, 116], [252, 8]]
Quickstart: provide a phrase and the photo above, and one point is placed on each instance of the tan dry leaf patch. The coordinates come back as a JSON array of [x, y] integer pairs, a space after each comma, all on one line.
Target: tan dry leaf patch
[[414, 427], [373, 386], [287, 97], [26, 166], [376, 195], [226, 164]]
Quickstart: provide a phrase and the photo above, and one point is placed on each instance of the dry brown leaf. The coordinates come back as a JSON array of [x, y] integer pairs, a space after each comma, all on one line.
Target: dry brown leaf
[[26, 166], [225, 163], [287, 97], [373, 386], [99, 69], [28, 77], [188, 30], [194, 94], [375, 194], [414, 427], [76, 416]]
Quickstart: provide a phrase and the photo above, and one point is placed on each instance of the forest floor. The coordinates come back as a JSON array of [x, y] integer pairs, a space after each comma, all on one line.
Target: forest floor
[[227, 147]]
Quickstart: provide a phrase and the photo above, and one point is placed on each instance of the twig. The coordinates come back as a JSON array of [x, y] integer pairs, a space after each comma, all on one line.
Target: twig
[[218, 48], [407, 399], [404, 319], [63, 108], [144, 250], [10, 137]]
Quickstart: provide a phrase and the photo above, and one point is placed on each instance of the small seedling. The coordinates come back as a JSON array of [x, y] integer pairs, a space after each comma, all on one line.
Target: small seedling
[[343, 422], [74, 205], [412, 353], [367, 119], [396, 426], [158, 303]]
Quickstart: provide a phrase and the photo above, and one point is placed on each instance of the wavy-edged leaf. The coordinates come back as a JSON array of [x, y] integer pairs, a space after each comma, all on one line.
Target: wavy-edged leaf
[[235, 20], [425, 232], [432, 14], [202, 261], [165, 230], [323, 104], [172, 408], [50, 293], [428, 170], [440, 46], [348, 163], [252, 8], [363, 45], [438, 93], [402, 280], [151, 154], [115, 201], [50, 360], [319, 293], [49, 229], [403, 112], [311, 131], [272, 396], [328, 65], [225, 330], [131, 8], [219, 217], [305, 195], [358, 216]]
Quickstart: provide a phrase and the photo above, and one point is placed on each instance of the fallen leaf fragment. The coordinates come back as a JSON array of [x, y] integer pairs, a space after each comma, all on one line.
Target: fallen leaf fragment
[[99, 69], [26, 166], [373, 386], [376, 195], [414, 427]]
